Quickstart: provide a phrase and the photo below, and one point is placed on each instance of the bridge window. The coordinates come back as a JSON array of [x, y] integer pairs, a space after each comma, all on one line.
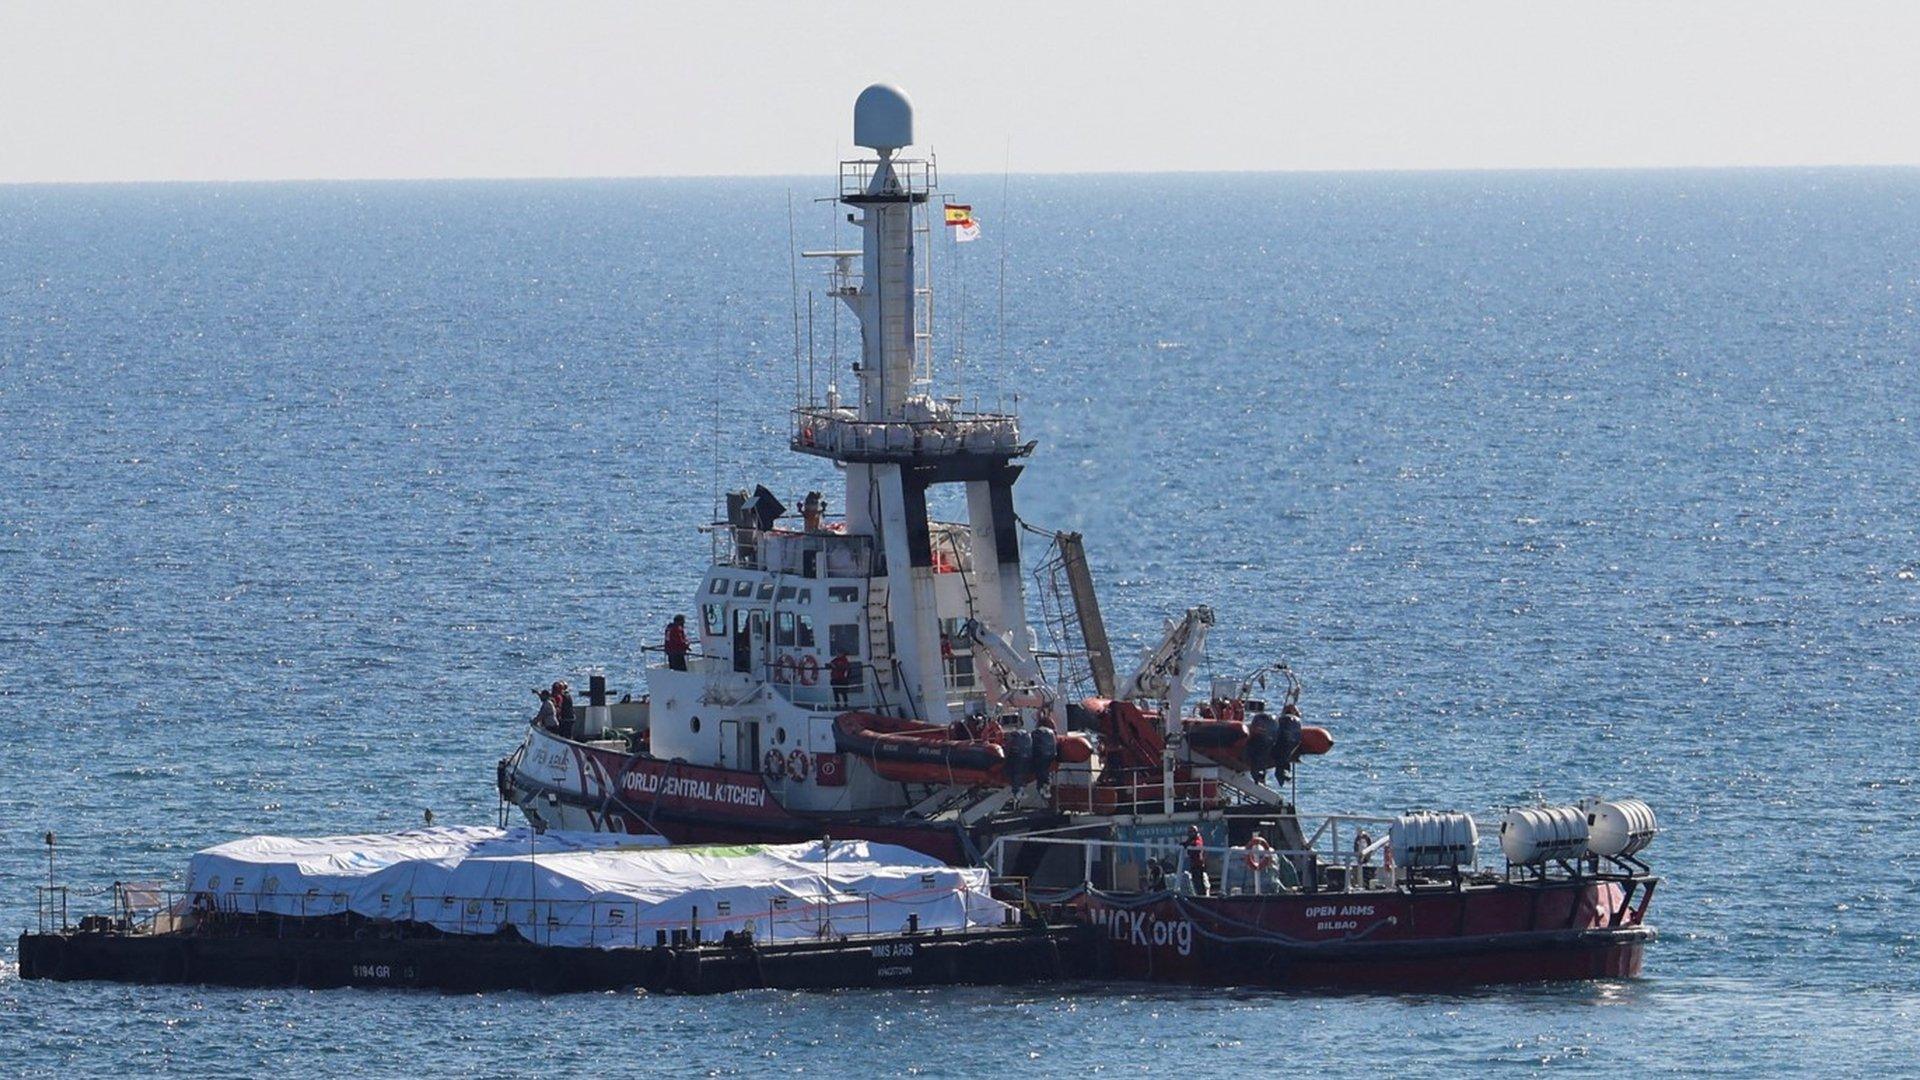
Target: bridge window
[[716, 622], [843, 594], [783, 628], [844, 638], [803, 635], [718, 586], [743, 587]]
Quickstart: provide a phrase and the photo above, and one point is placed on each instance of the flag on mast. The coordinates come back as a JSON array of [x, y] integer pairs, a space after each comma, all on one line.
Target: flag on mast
[[960, 220]]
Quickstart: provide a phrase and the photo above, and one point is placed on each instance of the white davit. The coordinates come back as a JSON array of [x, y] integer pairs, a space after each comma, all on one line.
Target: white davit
[[1619, 827], [1538, 834], [1428, 838]]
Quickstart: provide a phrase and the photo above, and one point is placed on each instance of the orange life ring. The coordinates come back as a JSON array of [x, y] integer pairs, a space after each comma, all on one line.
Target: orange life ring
[[809, 670], [773, 764], [797, 764], [784, 669], [1259, 854]]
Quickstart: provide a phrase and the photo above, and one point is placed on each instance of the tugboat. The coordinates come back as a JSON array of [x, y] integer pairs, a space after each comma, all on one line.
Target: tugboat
[[873, 675]]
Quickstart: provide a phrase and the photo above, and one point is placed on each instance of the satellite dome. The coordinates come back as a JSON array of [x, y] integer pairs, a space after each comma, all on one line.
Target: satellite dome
[[883, 118]]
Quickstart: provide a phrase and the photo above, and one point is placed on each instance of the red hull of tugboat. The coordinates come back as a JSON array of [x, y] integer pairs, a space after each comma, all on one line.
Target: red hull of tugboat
[[695, 804], [1559, 929], [1581, 929]]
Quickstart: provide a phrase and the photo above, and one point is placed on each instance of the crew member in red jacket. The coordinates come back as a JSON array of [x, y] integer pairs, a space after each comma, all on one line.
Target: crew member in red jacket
[[676, 643], [840, 675], [1196, 846]]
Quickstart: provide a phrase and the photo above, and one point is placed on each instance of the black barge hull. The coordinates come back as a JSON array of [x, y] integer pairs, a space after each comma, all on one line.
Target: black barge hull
[[996, 956]]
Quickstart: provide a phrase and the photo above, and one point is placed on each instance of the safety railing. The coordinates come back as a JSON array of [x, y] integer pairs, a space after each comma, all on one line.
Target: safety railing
[[819, 697], [911, 175], [600, 923], [697, 661], [50, 908], [832, 433], [1132, 790], [809, 688], [1165, 864], [787, 551]]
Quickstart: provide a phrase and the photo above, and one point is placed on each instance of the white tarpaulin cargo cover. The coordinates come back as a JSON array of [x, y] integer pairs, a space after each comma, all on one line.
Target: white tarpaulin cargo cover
[[595, 889]]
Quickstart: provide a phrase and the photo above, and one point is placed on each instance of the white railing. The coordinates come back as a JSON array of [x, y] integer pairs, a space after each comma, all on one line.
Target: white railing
[[819, 430], [911, 176], [1123, 865]]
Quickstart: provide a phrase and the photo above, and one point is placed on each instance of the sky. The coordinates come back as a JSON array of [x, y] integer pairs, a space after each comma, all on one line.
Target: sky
[[160, 90]]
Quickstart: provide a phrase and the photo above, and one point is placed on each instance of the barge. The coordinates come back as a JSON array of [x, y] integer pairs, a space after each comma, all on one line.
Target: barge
[[490, 909], [332, 953]]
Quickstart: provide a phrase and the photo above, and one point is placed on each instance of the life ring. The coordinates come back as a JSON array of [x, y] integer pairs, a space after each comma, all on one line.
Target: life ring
[[773, 764], [784, 669], [1259, 854], [809, 670], [797, 764]]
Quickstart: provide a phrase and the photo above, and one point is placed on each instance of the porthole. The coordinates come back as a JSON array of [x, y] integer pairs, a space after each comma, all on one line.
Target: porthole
[[693, 725], [780, 736]]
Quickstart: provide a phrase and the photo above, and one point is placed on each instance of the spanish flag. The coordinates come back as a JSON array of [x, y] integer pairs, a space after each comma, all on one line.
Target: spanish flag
[[960, 220]]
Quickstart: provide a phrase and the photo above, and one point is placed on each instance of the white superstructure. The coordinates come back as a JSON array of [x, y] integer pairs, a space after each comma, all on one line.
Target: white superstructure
[[880, 584]]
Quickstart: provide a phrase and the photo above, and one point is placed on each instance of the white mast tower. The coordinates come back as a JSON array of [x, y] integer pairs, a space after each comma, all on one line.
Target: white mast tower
[[902, 440]]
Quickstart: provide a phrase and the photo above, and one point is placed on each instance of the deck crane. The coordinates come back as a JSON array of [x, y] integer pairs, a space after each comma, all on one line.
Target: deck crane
[[1013, 680], [1165, 675]]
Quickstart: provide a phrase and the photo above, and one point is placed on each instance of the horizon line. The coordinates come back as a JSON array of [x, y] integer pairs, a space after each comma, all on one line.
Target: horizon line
[[1395, 170]]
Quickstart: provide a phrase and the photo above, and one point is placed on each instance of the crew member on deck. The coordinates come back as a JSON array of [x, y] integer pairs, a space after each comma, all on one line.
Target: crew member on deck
[[676, 643], [547, 718], [840, 674], [563, 707], [1156, 875], [1196, 846]]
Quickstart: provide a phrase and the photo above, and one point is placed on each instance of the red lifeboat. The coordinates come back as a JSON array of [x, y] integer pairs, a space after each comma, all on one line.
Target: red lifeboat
[[1225, 741], [913, 752]]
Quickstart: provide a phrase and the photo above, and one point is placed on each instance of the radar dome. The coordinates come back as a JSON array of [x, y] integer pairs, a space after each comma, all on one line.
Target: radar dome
[[883, 118]]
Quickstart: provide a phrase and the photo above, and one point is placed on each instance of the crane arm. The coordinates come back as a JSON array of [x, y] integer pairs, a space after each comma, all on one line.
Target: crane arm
[[1166, 672], [1013, 680]]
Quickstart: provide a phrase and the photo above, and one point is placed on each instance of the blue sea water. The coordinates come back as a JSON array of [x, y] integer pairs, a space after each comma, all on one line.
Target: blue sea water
[[1550, 484]]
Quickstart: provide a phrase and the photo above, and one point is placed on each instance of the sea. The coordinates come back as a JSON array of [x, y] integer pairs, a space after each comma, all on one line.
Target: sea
[[1549, 484]]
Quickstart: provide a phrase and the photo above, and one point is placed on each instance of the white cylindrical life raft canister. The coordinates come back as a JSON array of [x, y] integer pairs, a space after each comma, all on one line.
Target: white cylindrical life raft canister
[[1427, 838], [1619, 826], [1537, 834]]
